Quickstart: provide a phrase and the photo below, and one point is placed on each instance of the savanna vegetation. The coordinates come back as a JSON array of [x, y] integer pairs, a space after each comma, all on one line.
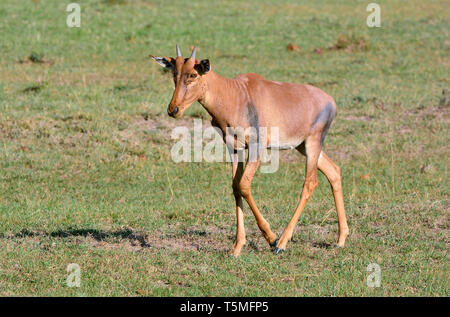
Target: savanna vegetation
[[86, 174]]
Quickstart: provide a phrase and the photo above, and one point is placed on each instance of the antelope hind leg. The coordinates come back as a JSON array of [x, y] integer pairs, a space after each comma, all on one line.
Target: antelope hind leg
[[333, 174], [312, 149]]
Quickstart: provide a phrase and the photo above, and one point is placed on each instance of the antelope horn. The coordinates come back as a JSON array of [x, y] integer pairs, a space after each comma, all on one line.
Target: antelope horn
[[193, 53], [178, 51]]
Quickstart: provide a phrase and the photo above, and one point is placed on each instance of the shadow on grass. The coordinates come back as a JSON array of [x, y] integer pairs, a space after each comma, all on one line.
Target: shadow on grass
[[183, 240], [322, 245], [99, 235]]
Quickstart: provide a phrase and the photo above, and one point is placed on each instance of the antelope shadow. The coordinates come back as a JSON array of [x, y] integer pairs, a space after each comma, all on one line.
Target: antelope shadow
[[98, 235]]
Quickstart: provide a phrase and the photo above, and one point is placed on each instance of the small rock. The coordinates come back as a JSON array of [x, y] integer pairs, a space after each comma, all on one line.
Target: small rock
[[293, 47], [366, 177], [444, 101]]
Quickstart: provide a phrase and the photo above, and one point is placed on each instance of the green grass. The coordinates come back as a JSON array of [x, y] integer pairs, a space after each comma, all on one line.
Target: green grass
[[86, 175]]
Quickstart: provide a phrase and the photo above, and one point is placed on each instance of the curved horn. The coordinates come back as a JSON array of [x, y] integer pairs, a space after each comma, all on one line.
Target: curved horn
[[193, 53], [178, 51]]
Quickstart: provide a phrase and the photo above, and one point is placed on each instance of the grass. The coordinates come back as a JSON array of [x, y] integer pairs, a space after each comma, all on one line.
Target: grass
[[86, 175]]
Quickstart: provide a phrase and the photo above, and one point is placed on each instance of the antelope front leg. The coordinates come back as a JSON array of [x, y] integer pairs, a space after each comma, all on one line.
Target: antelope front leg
[[238, 168], [245, 190]]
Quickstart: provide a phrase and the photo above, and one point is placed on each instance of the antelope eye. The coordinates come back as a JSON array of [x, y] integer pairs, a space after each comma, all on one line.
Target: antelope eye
[[192, 76]]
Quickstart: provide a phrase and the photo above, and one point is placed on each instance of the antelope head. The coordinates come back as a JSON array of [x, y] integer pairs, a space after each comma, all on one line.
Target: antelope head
[[188, 78]]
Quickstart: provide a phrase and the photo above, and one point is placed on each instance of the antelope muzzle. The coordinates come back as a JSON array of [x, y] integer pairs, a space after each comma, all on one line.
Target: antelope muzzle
[[173, 112]]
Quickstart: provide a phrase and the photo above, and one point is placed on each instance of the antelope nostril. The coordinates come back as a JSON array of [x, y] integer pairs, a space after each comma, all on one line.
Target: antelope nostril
[[173, 112]]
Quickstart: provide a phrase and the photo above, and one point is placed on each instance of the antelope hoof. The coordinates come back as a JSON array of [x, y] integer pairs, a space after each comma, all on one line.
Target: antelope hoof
[[337, 246], [273, 245], [277, 251]]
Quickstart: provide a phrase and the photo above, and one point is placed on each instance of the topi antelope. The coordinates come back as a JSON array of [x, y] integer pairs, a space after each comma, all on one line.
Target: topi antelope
[[302, 113]]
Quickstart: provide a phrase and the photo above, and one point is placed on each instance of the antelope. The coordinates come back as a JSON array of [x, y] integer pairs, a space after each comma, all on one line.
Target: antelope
[[302, 113]]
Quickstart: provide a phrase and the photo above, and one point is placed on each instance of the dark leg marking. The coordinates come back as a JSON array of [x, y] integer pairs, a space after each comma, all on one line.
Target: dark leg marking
[[252, 116], [253, 121], [324, 118]]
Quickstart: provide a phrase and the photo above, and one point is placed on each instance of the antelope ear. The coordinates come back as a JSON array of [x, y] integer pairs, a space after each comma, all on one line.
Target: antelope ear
[[166, 62], [203, 67]]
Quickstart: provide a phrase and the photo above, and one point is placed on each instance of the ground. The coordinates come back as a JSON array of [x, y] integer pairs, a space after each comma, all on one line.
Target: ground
[[86, 175]]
